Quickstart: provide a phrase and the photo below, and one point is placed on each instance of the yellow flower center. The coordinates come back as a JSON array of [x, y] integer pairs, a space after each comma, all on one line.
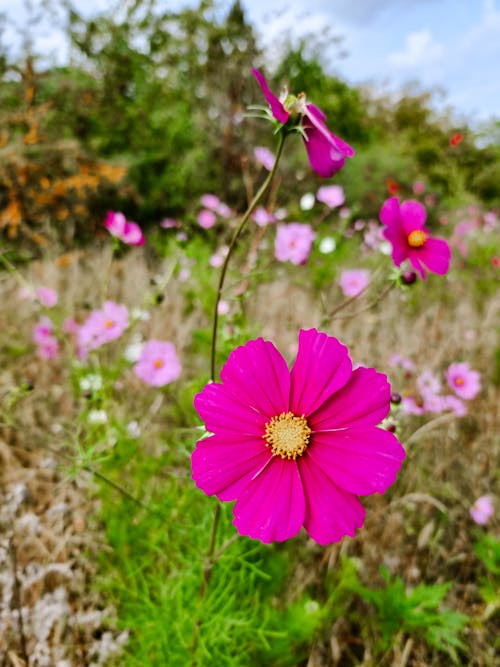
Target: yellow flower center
[[417, 238], [287, 435], [159, 363], [459, 382], [109, 324]]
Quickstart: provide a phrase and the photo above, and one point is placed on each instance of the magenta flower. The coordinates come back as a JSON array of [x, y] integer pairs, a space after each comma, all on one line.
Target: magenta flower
[[295, 448], [482, 510], [353, 282], [465, 382], [127, 231], [331, 195], [326, 152], [158, 363], [264, 157], [293, 243], [411, 240]]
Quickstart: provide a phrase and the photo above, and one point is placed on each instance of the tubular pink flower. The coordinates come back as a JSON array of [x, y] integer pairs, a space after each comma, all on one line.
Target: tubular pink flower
[[158, 363], [326, 152], [465, 382], [411, 240], [127, 231], [296, 447]]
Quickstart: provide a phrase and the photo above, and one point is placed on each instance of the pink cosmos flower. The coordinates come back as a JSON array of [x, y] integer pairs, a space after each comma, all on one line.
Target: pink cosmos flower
[[223, 210], [295, 448], [326, 152], [127, 231], [102, 326], [293, 242], [331, 195], [158, 364], [354, 281], [210, 201], [264, 156], [455, 405], [465, 382], [223, 307], [46, 296], [428, 384], [419, 187], [206, 218], [410, 406], [411, 240], [482, 510], [170, 223]]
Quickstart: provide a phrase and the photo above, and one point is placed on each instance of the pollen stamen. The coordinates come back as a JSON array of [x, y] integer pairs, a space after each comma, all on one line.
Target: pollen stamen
[[417, 238], [287, 435]]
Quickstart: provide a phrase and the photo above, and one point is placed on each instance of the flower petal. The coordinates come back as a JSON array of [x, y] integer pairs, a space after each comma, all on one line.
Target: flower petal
[[223, 466], [436, 255], [413, 215], [331, 513], [363, 401], [359, 460], [322, 367], [389, 213], [398, 242], [223, 412], [325, 157], [272, 506], [277, 109], [258, 375]]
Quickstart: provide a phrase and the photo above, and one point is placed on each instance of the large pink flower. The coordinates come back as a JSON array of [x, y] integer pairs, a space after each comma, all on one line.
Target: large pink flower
[[326, 152], [295, 448], [293, 243], [411, 240], [128, 232]]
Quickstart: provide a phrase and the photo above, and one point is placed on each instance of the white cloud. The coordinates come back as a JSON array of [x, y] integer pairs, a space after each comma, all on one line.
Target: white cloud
[[420, 51]]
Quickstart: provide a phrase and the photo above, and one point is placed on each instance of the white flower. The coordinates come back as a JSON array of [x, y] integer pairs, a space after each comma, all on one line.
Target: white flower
[[91, 382], [97, 417], [327, 245], [133, 351], [133, 429], [307, 201]]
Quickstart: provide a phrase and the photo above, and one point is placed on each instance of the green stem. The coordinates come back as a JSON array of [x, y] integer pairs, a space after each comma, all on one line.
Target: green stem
[[232, 245]]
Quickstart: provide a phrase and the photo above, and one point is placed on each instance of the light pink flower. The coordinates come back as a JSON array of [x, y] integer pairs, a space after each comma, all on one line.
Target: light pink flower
[[331, 195], [210, 201], [223, 210], [428, 383], [455, 405], [223, 307], [293, 242], [170, 223], [263, 217], [264, 156], [465, 382], [206, 218], [327, 153], [158, 364], [410, 406], [70, 325], [354, 281], [411, 240], [296, 448], [397, 360], [46, 296], [125, 230], [482, 510], [216, 260], [102, 326]]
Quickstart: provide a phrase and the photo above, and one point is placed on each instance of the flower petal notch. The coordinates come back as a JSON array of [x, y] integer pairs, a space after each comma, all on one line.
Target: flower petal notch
[[411, 240], [295, 448]]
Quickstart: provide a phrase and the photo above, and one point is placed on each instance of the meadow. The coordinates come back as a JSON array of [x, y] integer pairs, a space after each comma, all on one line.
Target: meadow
[[133, 400]]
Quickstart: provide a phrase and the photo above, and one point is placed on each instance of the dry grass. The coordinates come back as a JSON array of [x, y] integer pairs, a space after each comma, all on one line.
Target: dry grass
[[421, 530]]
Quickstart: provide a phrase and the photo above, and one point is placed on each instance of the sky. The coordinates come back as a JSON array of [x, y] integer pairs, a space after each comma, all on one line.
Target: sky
[[453, 45]]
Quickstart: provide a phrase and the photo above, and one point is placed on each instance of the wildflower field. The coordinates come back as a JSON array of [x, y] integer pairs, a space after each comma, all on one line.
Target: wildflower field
[[250, 359]]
